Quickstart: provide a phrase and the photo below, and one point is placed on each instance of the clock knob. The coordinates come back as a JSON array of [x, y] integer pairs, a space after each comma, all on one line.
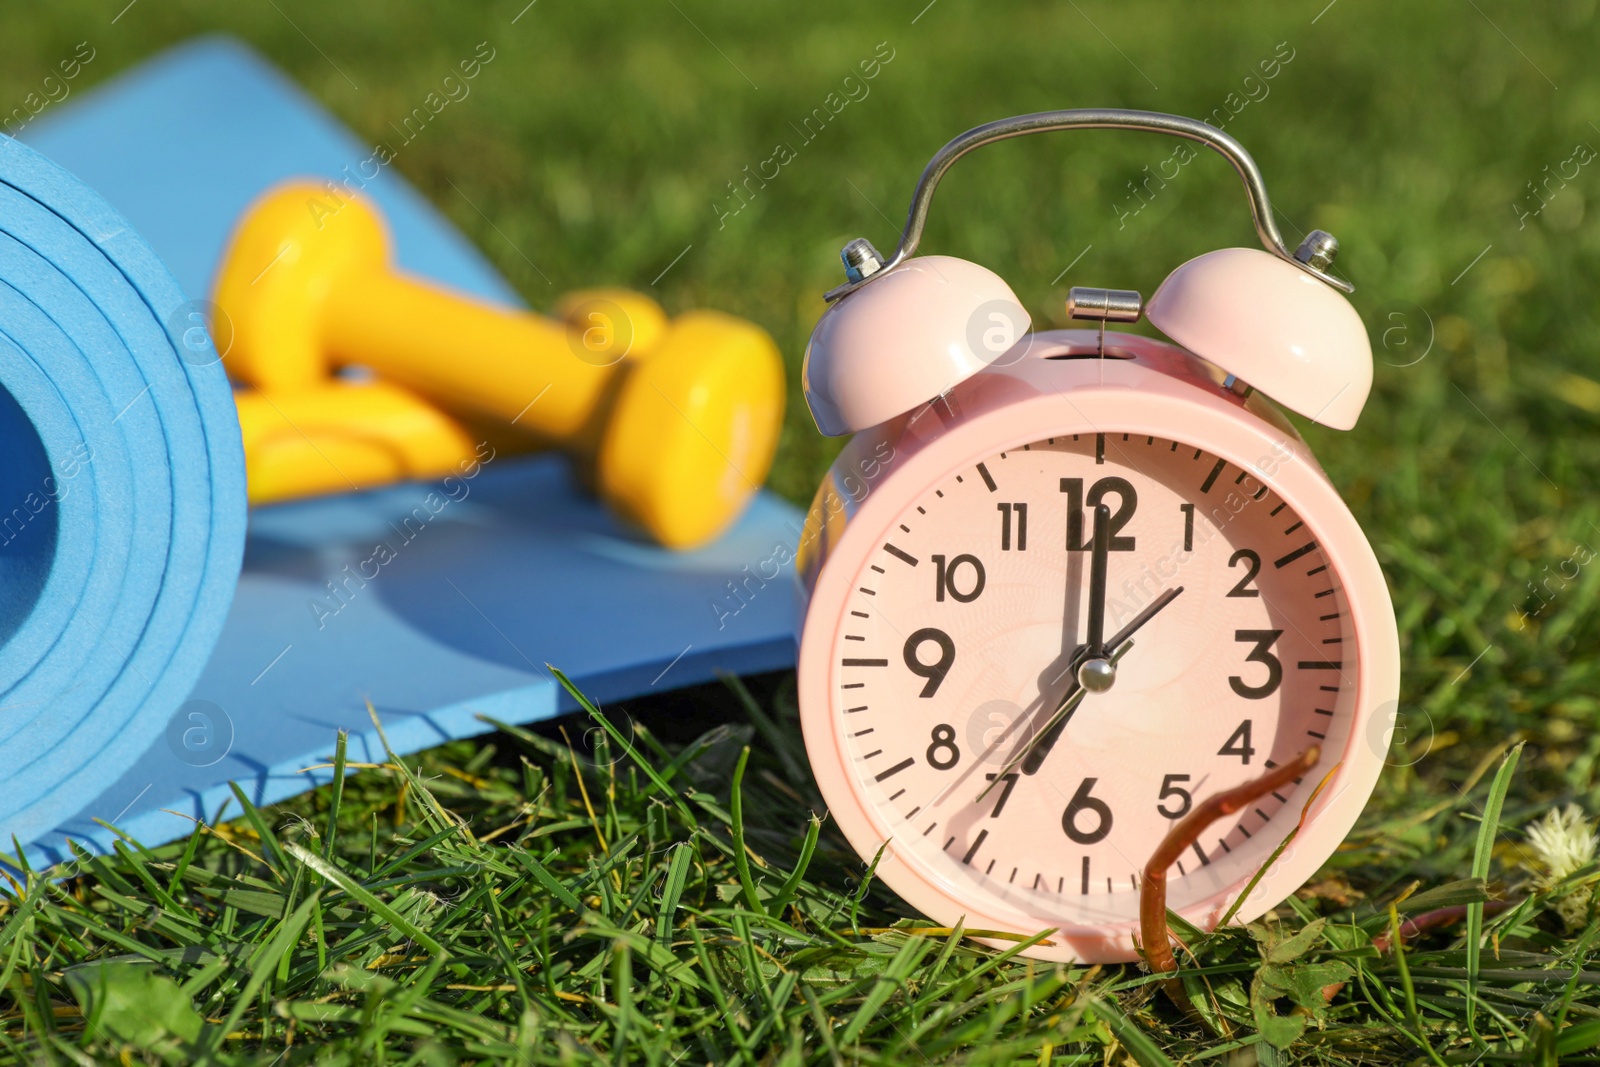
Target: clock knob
[[1271, 324], [1104, 305], [916, 332]]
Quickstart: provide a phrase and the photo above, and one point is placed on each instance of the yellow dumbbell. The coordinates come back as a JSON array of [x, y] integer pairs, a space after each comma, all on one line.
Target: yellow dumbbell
[[339, 437], [676, 441]]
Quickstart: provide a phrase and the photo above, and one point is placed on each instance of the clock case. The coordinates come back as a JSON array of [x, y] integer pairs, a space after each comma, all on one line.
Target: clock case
[[897, 361], [1059, 386]]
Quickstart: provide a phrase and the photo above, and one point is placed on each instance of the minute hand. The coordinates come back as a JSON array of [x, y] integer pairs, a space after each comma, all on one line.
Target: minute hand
[[1094, 641], [1036, 750]]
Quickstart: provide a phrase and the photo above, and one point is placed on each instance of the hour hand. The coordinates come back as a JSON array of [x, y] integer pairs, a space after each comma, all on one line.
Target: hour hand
[[1096, 673]]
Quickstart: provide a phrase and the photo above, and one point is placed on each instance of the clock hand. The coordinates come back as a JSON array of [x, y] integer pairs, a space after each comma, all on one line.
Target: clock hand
[[1149, 612], [1100, 673], [1057, 721], [1094, 640]]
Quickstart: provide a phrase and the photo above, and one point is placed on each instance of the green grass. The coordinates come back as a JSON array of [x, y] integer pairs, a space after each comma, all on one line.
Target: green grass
[[512, 899]]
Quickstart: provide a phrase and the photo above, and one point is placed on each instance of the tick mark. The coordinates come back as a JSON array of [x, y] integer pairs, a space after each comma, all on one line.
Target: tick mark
[[988, 479], [1319, 737], [864, 663], [1322, 665], [1284, 561], [1198, 851], [879, 569], [900, 554], [852, 711], [874, 752], [869, 592], [1100, 447], [1211, 479], [1085, 876], [1277, 509], [977, 843], [896, 769]]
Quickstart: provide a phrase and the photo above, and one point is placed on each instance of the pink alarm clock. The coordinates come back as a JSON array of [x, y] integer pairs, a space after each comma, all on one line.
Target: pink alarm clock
[[1063, 586]]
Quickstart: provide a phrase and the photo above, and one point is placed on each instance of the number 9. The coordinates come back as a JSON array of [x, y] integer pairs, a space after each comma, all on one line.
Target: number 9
[[934, 672]]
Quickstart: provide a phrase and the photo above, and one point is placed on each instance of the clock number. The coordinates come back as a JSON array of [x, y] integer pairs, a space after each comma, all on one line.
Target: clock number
[[1239, 744], [1010, 780], [934, 672], [945, 578], [1253, 567], [1021, 513], [944, 740], [1081, 802], [1127, 501], [1169, 789], [1188, 526], [1262, 654]]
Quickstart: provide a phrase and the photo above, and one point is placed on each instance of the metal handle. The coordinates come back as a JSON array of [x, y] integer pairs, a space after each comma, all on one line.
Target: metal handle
[[1103, 119]]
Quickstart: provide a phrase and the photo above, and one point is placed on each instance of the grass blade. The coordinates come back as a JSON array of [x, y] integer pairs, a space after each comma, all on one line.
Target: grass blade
[[356, 891], [1488, 830]]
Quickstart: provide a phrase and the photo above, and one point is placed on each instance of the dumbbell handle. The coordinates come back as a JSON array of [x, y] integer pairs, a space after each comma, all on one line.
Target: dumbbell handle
[[421, 336]]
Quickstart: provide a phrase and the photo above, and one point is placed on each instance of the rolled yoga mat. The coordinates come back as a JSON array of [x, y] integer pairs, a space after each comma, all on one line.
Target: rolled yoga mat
[[122, 506], [438, 602]]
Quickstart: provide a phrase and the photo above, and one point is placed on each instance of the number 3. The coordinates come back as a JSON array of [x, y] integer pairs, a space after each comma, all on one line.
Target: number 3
[[1262, 653]]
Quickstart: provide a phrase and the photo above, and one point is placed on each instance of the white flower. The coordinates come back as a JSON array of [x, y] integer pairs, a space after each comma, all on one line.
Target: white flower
[[1564, 842]]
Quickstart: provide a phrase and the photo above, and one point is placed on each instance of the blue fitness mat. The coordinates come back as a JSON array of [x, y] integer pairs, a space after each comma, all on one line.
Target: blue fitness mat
[[435, 602]]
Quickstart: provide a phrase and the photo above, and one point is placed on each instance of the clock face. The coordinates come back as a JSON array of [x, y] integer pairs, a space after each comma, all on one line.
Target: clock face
[[968, 629]]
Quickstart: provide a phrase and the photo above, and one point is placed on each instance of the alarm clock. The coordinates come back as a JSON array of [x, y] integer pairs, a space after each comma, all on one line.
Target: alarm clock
[[1062, 586]]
